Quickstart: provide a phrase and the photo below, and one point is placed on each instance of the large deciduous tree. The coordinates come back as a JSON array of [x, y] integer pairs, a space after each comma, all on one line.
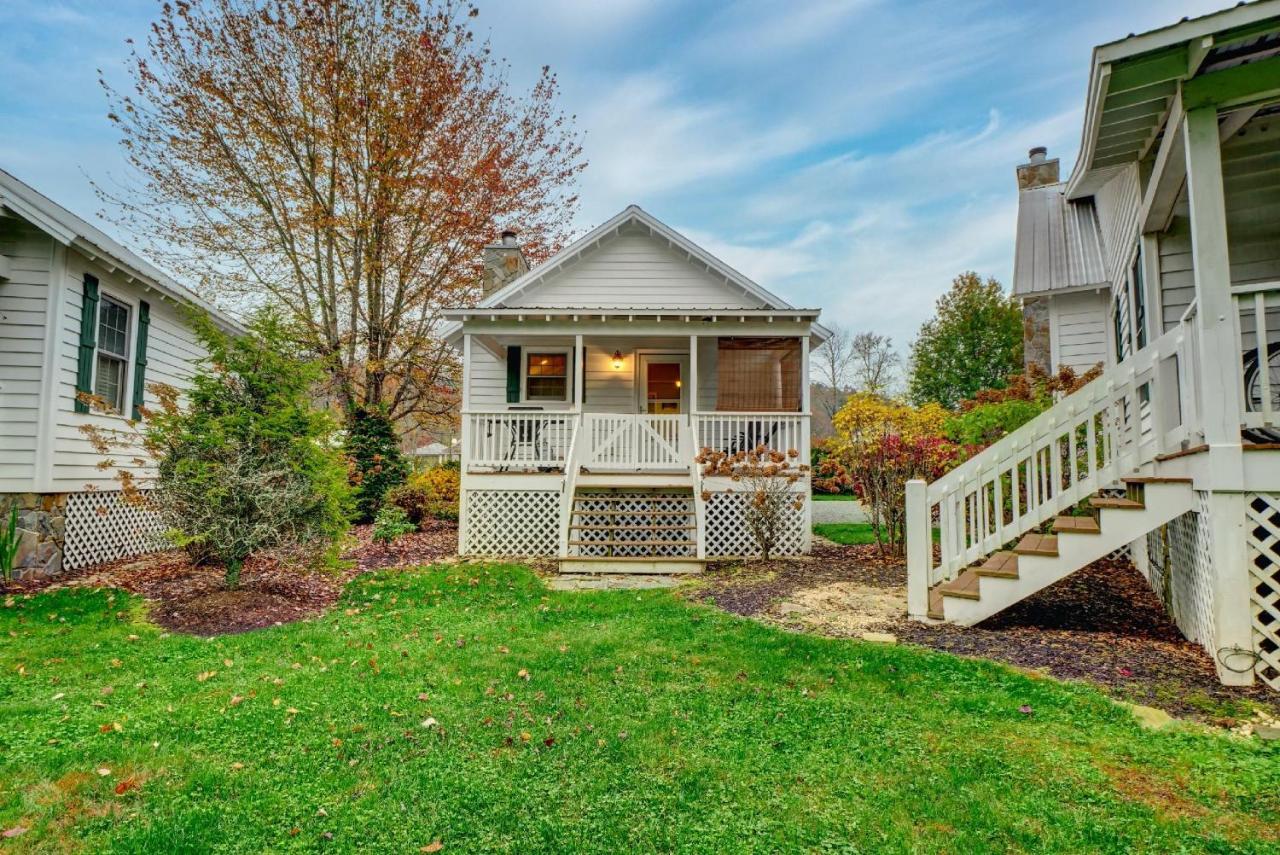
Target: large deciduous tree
[[345, 160], [973, 343], [874, 362]]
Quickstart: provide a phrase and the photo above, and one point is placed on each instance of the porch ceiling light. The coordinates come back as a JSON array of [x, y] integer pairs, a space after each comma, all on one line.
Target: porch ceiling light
[[617, 360]]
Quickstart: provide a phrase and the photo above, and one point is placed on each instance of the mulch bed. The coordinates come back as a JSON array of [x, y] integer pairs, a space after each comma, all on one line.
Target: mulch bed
[[190, 599], [1102, 624]]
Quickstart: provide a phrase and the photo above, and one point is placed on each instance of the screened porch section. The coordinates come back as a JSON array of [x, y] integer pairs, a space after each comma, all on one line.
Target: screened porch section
[[630, 404]]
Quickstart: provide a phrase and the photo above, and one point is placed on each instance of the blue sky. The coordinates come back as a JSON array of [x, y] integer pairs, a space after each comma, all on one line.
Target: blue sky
[[852, 155]]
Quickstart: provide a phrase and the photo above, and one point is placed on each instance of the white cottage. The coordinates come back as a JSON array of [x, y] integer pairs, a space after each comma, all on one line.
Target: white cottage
[[590, 383], [78, 313], [1173, 208]]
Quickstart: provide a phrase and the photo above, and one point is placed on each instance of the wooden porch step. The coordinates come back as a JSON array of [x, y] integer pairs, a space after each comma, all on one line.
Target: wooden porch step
[[630, 564], [576, 527], [1154, 479], [590, 512], [632, 543], [1076, 525], [1002, 565], [1116, 502], [964, 586], [1038, 544], [935, 604]]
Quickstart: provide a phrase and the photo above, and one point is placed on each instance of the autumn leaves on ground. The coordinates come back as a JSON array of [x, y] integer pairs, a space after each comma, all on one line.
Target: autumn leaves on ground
[[465, 707]]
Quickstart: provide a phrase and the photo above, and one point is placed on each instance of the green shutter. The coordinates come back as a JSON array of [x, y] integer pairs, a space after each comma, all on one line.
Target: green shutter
[[574, 373], [88, 341], [513, 375], [140, 359]]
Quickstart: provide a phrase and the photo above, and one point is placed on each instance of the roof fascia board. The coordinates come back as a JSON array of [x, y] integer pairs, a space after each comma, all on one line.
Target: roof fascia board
[[38, 218]]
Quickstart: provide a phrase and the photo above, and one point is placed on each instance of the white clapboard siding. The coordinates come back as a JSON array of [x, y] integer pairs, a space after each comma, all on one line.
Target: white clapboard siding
[[23, 312], [1079, 324], [1251, 178], [172, 354], [1118, 203], [1177, 282], [634, 269]]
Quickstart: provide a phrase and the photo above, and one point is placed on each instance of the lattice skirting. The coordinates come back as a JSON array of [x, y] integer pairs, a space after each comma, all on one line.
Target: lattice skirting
[[102, 526], [1262, 515], [646, 518], [1180, 570], [728, 536], [512, 523]]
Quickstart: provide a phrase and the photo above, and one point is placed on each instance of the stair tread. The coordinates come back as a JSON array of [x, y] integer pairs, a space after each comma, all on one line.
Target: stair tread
[[965, 586], [1077, 525], [1155, 479], [632, 543], [580, 527], [637, 559], [1001, 565], [1116, 502], [1037, 544], [935, 604], [684, 513]]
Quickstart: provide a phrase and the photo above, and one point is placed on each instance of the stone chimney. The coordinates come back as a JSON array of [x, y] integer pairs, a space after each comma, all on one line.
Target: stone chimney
[[1038, 170], [503, 262]]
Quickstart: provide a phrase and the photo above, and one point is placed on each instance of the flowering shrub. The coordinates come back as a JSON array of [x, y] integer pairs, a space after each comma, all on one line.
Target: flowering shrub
[[768, 478], [429, 493], [884, 444]]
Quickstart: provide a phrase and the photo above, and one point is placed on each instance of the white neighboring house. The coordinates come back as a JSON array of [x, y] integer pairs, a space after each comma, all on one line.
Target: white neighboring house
[[78, 312], [590, 383], [1174, 446]]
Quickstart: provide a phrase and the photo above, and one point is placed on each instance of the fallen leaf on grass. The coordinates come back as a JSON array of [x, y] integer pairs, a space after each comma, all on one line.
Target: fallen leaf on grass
[[125, 786], [17, 830], [104, 771], [433, 846]]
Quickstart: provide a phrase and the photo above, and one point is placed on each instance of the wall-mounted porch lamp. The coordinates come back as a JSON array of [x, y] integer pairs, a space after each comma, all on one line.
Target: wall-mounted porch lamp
[[617, 360]]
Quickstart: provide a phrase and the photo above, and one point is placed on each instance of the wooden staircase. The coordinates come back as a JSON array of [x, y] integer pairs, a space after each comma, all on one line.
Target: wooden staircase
[[1039, 559], [633, 530]]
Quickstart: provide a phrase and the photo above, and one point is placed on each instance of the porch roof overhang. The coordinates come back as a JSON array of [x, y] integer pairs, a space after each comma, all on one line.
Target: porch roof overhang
[[1138, 83], [644, 321]]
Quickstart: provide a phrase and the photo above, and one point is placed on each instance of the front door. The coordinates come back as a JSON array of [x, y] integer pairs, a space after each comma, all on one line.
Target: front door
[[663, 390]]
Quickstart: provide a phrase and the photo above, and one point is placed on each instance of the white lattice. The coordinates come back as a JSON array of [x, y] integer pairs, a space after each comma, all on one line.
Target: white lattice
[[1262, 514], [512, 522], [1184, 579], [101, 526], [652, 522], [728, 536]]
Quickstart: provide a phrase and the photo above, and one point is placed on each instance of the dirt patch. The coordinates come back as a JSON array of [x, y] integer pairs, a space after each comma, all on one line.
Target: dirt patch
[[1102, 624], [191, 599]]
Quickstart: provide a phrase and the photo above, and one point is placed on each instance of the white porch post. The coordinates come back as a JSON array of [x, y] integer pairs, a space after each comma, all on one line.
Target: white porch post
[[464, 423], [1221, 383], [700, 509], [579, 372], [806, 425]]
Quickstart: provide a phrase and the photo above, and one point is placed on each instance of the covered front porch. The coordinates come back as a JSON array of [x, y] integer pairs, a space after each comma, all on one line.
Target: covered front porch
[[638, 404]]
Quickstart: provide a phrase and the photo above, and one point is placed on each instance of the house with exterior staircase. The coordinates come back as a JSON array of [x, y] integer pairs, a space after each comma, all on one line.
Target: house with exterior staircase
[[1171, 454], [592, 381]]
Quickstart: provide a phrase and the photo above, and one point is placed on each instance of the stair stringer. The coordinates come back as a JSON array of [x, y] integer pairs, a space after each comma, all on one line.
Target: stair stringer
[[1119, 527]]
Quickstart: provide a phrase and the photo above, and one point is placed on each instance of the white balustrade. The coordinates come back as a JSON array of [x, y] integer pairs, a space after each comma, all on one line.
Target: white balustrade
[[517, 441], [734, 432], [631, 442]]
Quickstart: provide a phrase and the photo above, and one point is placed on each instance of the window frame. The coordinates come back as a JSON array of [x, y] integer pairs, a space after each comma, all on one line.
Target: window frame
[[126, 359], [1138, 301], [528, 353]]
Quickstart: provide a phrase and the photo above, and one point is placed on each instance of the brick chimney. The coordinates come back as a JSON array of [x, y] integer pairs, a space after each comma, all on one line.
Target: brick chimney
[[1038, 170], [503, 262]]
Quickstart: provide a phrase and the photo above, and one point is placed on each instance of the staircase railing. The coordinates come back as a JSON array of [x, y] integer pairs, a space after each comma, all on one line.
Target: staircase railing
[[1136, 410], [569, 488]]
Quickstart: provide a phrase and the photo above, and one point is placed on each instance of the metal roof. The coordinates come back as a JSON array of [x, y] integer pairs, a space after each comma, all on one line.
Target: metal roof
[[70, 230], [1059, 244]]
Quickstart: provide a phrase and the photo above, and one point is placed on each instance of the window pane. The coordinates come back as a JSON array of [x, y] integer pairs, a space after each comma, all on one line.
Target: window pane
[[546, 388], [548, 365], [108, 380], [113, 327], [663, 381]]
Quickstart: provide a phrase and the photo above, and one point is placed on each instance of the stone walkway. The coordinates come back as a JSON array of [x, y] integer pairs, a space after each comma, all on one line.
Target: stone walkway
[[612, 581]]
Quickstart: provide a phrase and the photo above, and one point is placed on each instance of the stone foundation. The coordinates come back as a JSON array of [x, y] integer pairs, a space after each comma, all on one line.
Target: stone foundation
[[1036, 346], [42, 528]]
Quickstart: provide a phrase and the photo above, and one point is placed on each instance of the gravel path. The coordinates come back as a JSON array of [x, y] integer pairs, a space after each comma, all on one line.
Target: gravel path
[[839, 512]]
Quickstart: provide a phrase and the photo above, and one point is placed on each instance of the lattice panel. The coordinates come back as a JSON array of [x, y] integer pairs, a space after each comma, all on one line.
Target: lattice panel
[[102, 526], [629, 525], [1189, 575], [512, 523], [728, 536], [1262, 514]]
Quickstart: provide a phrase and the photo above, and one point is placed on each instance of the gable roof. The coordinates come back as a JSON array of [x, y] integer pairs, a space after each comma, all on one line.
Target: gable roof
[[632, 215], [66, 228], [1059, 243]]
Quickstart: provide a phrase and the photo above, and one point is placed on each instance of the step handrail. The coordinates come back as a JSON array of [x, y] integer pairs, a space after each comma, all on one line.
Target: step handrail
[[1085, 441], [569, 485]]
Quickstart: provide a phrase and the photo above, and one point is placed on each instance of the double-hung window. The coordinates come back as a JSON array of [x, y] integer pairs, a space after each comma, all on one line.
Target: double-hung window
[[111, 365], [546, 375]]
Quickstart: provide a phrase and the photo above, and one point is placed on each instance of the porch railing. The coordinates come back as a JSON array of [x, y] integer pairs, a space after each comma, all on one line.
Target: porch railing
[[1258, 332], [734, 432], [631, 442], [518, 441], [1142, 407]]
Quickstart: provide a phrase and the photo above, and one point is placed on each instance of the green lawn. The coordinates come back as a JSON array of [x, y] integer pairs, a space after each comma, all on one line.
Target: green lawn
[[470, 705], [848, 534], [834, 497]]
